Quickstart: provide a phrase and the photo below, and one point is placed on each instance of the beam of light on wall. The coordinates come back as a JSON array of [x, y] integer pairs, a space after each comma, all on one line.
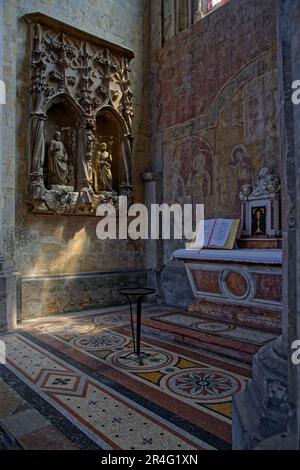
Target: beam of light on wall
[[68, 259], [66, 262]]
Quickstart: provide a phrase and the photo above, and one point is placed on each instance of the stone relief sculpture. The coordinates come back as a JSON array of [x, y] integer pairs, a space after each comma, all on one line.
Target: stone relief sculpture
[[79, 84], [103, 174], [268, 182], [89, 155], [58, 171]]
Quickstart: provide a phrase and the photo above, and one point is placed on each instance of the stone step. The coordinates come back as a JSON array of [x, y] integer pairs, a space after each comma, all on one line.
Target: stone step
[[250, 317], [234, 342]]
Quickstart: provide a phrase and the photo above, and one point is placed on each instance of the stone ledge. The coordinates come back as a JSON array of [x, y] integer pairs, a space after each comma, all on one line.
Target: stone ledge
[[50, 295]]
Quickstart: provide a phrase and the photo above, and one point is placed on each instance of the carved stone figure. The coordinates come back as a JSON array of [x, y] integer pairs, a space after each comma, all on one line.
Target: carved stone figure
[[59, 201], [245, 192], [90, 140], [103, 179], [58, 171], [267, 182]]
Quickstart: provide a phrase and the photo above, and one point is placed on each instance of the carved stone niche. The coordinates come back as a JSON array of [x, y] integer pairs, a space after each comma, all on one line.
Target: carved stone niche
[[81, 119]]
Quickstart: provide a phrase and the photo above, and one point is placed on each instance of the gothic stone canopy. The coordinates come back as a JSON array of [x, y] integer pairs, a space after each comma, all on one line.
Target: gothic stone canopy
[[81, 119]]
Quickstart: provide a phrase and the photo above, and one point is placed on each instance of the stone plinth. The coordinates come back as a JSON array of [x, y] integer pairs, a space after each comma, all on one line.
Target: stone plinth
[[45, 295]]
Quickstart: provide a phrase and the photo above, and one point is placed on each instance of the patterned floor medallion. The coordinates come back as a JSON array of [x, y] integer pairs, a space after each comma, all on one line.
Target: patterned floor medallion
[[226, 330], [151, 359], [213, 326], [67, 329], [112, 319], [105, 340], [204, 385], [114, 347]]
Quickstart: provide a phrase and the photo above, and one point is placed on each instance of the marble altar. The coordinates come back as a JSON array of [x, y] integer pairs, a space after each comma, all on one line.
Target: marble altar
[[242, 286]]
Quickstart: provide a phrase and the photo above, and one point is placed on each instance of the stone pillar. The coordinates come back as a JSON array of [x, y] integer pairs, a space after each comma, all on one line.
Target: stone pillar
[[7, 274], [154, 251], [266, 414]]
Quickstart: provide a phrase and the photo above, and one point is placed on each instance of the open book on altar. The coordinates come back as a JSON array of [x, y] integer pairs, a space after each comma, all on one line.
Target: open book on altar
[[215, 234]]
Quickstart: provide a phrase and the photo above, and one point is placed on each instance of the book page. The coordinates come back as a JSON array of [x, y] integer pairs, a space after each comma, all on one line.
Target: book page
[[208, 229], [221, 233], [202, 235], [235, 229]]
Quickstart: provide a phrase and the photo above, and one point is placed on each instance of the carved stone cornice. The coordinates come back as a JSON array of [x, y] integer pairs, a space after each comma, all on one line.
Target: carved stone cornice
[[46, 20]]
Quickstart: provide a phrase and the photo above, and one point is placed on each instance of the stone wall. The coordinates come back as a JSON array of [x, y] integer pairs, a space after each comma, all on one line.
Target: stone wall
[[61, 254], [214, 109]]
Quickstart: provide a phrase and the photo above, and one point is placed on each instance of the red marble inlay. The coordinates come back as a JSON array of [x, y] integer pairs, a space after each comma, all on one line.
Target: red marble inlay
[[269, 287], [206, 281], [237, 284]]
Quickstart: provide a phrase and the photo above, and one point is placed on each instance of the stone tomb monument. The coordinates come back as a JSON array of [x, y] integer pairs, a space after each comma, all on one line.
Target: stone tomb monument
[[81, 119]]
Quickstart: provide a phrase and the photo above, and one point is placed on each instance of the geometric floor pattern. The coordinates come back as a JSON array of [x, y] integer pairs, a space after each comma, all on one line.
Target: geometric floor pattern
[[84, 368], [218, 328]]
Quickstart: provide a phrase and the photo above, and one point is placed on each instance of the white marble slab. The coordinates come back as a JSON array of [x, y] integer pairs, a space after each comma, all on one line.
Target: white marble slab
[[238, 256]]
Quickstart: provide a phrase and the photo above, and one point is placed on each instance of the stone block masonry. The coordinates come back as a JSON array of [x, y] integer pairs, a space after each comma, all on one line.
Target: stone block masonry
[[43, 247]]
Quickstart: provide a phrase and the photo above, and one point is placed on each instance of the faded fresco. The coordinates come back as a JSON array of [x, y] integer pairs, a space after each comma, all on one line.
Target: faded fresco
[[190, 165], [214, 157]]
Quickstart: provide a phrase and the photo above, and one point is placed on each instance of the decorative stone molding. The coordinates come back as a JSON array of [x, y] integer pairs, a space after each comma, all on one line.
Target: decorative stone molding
[[81, 119], [268, 182], [237, 284], [261, 201], [151, 177]]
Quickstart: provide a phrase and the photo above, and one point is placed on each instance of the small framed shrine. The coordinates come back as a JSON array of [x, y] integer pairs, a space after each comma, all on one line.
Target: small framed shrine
[[260, 207], [80, 119]]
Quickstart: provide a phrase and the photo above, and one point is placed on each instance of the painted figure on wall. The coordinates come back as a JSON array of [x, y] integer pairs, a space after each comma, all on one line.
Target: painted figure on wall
[[189, 170], [103, 173], [177, 185], [58, 171], [202, 178], [243, 165]]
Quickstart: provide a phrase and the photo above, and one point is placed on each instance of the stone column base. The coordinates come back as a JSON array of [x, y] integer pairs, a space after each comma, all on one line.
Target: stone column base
[[281, 441], [262, 410], [8, 297]]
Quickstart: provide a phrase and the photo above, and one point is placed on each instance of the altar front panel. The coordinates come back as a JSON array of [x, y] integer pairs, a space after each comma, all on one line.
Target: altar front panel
[[239, 286]]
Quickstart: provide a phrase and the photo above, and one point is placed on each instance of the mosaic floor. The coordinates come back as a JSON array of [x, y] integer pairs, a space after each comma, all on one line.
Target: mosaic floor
[[216, 328], [81, 373]]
